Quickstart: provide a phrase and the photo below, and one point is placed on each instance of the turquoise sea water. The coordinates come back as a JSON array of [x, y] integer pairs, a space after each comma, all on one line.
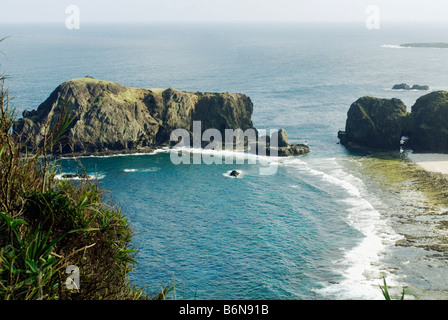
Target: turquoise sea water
[[316, 228]]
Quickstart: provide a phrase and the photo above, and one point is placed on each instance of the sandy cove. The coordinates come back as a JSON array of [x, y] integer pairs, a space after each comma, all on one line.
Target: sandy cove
[[432, 162]]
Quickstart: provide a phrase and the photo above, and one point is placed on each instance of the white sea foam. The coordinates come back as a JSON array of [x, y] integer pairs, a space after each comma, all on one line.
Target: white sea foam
[[119, 154], [393, 46], [154, 169], [142, 170], [63, 176], [360, 266], [231, 156], [351, 189], [407, 90]]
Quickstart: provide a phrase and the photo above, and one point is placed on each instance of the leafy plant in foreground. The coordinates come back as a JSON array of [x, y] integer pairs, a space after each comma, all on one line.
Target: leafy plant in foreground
[[385, 291], [47, 225]]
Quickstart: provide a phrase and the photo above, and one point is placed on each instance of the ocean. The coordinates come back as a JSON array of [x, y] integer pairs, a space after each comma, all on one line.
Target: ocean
[[321, 227]]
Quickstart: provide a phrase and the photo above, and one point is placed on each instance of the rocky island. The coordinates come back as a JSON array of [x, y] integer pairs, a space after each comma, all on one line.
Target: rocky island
[[380, 124], [404, 86], [109, 118], [440, 45]]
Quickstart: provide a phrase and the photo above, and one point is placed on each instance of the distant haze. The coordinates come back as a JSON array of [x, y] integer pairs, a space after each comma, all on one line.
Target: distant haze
[[223, 10]]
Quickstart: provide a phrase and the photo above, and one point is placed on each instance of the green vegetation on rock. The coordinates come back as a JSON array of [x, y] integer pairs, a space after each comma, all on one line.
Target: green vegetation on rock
[[430, 114], [111, 118], [375, 123]]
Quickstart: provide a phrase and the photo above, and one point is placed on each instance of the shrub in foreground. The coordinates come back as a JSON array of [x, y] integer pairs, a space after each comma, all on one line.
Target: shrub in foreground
[[47, 225]]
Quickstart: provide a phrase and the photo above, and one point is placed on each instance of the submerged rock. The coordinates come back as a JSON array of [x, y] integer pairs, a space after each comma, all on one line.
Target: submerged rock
[[76, 176], [234, 173]]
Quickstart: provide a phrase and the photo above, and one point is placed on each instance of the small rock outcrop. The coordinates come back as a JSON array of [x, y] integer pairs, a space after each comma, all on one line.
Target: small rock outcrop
[[234, 173], [282, 138], [404, 86], [283, 147], [418, 87], [401, 86]]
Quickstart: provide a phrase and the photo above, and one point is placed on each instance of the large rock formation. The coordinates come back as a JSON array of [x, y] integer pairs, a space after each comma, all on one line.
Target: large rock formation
[[430, 123], [380, 124], [108, 118], [374, 123]]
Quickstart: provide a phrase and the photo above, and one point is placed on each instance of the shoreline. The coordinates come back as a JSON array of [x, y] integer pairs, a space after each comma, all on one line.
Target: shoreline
[[412, 189], [290, 150], [431, 162]]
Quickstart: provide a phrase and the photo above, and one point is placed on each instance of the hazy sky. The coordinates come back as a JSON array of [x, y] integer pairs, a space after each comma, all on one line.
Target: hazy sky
[[223, 10]]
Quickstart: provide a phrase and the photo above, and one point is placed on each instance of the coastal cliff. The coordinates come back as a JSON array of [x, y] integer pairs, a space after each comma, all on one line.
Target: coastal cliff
[[379, 124], [109, 118]]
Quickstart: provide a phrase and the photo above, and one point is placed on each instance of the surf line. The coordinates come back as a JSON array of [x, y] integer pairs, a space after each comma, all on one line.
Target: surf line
[[234, 140], [361, 266]]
